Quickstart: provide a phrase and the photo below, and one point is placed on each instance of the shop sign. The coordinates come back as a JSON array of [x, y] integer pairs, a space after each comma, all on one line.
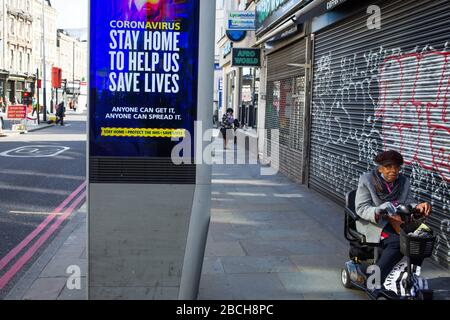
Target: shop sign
[[331, 4], [16, 112], [227, 49], [241, 20], [236, 35], [269, 11], [246, 57]]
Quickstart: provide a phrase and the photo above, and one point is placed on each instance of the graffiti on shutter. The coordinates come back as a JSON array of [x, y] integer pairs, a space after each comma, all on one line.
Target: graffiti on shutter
[[388, 93]]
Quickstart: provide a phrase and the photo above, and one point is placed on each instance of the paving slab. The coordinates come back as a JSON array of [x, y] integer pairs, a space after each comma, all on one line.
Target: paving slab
[[249, 264], [260, 286], [284, 247], [222, 249], [46, 289]]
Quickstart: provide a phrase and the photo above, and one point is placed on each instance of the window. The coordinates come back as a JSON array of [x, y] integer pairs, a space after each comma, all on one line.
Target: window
[[249, 97], [230, 90], [11, 65]]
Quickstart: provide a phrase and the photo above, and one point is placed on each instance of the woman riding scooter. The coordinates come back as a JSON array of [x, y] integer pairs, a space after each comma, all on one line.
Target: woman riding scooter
[[381, 190]]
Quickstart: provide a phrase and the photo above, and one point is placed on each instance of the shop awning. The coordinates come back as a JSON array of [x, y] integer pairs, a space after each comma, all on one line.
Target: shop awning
[[318, 8]]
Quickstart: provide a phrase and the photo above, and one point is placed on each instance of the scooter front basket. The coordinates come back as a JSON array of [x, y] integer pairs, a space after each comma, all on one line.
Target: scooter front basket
[[416, 247]]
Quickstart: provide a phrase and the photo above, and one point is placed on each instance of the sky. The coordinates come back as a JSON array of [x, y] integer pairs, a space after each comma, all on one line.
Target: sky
[[71, 14]]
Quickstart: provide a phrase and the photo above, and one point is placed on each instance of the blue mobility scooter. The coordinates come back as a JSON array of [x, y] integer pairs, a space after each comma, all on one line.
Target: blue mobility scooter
[[410, 286]]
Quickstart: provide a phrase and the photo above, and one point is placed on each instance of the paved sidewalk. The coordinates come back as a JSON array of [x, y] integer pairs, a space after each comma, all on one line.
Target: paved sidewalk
[[269, 238], [31, 127]]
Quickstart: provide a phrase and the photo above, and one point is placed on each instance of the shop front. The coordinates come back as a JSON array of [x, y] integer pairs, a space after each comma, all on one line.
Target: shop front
[[248, 60], [286, 76], [3, 84], [16, 85]]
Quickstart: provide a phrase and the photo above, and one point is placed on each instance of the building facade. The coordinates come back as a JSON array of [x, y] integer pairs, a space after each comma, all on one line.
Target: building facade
[[72, 59], [22, 49], [17, 73], [44, 9], [3, 46], [238, 83], [218, 77]]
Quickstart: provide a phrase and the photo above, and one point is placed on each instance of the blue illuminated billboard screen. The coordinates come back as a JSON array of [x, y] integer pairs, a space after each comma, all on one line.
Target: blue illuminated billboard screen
[[143, 76]]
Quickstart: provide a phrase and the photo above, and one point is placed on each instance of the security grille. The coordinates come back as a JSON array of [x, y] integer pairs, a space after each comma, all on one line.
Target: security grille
[[285, 109]]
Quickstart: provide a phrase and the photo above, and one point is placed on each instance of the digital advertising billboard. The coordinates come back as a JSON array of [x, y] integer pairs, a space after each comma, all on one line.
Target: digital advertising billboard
[[143, 76]]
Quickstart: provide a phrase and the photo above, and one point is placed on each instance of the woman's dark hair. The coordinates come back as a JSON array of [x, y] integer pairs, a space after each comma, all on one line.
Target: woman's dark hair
[[230, 110], [387, 157]]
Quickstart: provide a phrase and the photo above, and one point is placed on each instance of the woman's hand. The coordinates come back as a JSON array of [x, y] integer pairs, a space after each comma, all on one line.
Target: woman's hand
[[395, 221], [424, 209]]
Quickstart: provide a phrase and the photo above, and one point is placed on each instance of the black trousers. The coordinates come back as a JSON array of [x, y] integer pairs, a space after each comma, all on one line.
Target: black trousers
[[391, 254], [60, 119]]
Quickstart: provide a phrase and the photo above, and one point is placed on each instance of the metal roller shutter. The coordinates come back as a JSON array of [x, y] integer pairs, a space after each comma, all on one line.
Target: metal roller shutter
[[282, 63], [285, 108], [385, 89]]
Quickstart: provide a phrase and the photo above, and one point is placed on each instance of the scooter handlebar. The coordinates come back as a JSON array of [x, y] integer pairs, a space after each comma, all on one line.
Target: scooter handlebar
[[404, 211]]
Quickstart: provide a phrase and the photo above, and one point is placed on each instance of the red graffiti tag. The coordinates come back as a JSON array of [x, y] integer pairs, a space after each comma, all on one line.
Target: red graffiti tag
[[414, 90]]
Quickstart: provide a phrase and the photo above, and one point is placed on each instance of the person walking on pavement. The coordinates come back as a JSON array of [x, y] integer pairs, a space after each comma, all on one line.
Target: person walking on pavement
[[379, 190], [2, 105], [226, 126], [34, 106], [60, 113]]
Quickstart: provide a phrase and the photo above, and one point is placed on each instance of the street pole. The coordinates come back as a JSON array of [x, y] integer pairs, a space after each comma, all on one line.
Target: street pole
[[44, 72], [38, 105], [73, 76]]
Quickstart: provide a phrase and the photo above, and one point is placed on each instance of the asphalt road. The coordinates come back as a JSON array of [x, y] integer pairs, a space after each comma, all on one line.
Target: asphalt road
[[34, 181]]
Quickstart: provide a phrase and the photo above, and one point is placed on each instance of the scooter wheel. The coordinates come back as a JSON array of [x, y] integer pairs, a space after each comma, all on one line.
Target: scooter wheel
[[345, 278]]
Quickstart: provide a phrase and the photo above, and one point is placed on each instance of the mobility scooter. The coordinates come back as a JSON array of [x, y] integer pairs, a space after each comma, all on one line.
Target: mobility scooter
[[404, 282]]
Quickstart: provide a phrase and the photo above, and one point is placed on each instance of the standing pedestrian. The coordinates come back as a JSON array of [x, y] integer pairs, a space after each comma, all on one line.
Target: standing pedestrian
[[227, 126], [2, 105], [35, 106], [60, 113]]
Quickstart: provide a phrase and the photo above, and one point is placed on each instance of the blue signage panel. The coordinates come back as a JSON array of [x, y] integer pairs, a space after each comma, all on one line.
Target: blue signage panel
[[236, 35], [241, 20], [143, 76]]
